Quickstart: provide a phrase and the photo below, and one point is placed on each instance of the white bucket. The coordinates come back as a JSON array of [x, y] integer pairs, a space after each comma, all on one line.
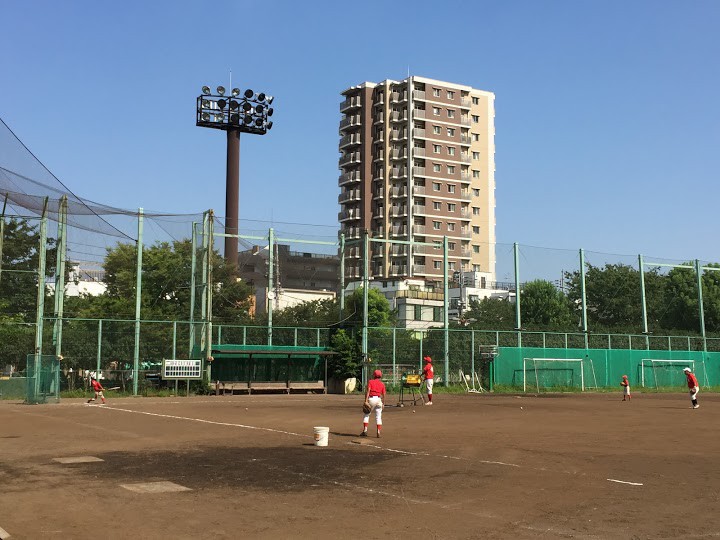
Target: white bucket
[[321, 436]]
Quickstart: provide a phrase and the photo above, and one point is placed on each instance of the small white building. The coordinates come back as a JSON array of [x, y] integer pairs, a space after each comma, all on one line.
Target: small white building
[[83, 280], [284, 298]]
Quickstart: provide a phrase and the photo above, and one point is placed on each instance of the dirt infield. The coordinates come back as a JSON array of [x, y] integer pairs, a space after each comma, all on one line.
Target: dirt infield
[[470, 466]]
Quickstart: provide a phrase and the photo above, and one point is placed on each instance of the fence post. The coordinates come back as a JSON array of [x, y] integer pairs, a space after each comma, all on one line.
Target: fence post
[[270, 296], [209, 297], [193, 270], [446, 323], [472, 353], [138, 295], [584, 297], [2, 230], [342, 274], [174, 349], [394, 369], [61, 248], [698, 273], [518, 316], [643, 299], [366, 284], [99, 348], [42, 249]]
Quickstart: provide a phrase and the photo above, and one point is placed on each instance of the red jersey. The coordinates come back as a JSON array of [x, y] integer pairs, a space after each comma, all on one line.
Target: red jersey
[[97, 387], [428, 371], [376, 388], [691, 380], [624, 382]]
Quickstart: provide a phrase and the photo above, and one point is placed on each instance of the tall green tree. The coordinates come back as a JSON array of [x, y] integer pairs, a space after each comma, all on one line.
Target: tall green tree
[[492, 314], [544, 307]]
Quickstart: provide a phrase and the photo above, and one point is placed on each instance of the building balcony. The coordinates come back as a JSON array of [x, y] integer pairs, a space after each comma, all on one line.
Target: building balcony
[[398, 116], [348, 178], [419, 210], [398, 270], [350, 103], [464, 139], [398, 231], [420, 295], [353, 253], [419, 269], [399, 210], [398, 134], [378, 118], [418, 94], [350, 195], [398, 154], [418, 171], [418, 190], [418, 229], [379, 135], [379, 175], [465, 233], [399, 251], [379, 254], [465, 121], [378, 232], [349, 140], [419, 133], [398, 97], [379, 193], [465, 102], [398, 192], [419, 151], [465, 252], [352, 272], [465, 158], [464, 211], [351, 232], [348, 215], [353, 158], [398, 173], [350, 122], [421, 250], [419, 114], [378, 212]]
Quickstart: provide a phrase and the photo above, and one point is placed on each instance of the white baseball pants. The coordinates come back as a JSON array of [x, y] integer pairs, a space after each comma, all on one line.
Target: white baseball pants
[[376, 405]]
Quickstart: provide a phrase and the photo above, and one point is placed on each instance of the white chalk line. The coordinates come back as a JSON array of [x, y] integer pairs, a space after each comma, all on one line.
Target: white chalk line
[[4, 534], [624, 482]]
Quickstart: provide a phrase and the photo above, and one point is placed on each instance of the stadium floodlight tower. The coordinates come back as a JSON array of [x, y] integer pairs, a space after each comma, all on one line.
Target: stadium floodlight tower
[[240, 112]]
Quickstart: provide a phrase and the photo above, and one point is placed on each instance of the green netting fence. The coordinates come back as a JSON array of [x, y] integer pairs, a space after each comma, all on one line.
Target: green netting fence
[[43, 379]]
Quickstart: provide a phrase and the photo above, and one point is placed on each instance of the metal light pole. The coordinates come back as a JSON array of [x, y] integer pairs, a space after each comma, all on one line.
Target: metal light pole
[[241, 112]]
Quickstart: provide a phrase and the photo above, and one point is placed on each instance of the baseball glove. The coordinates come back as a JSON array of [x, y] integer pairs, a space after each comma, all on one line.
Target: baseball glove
[[366, 408]]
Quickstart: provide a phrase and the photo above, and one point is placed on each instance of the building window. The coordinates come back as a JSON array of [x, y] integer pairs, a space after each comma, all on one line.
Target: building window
[[476, 155], [475, 119], [451, 207], [451, 113], [436, 148], [437, 314], [417, 315], [476, 101], [436, 225], [437, 130], [437, 206], [476, 137], [436, 167], [436, 92], [436, 111], [476, 192], [476, 229], [451, 150], [451, 132], [436, 186], [451, 246], [476, 174], [476, 210], [437, 265], [451, 188], [451, 266], [450, 94], [476, 249], [451, 226], [451, 169], [438, 245]]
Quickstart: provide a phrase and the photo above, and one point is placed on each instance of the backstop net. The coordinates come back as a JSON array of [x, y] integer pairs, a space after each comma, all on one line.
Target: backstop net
[[558, 374]]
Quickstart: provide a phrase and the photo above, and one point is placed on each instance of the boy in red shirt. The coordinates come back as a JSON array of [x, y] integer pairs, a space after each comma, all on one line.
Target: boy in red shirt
[[693, 386], [626, 387], [98, 389], [428, 376], [374, 396]]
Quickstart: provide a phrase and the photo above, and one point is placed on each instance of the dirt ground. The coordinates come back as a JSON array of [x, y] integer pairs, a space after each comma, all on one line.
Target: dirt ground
[[470, 466]]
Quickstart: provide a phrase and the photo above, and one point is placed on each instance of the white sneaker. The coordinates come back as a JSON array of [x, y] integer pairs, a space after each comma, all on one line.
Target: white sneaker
[[429, 403], [696, 406]]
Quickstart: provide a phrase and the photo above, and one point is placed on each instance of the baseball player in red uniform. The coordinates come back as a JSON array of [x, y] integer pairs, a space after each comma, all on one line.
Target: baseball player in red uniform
[[428, 376], [375, 396], [626, 387], [98, 389], [693, 386]]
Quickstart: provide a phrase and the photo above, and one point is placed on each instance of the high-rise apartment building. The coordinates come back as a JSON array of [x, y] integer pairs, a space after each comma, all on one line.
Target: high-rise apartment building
[[418, 163]]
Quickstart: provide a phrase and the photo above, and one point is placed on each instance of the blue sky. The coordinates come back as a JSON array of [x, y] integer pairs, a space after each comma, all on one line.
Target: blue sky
[[607, 114]]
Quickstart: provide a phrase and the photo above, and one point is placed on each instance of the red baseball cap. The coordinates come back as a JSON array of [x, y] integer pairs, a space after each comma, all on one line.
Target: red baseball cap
[[377, 374], [427, 359]]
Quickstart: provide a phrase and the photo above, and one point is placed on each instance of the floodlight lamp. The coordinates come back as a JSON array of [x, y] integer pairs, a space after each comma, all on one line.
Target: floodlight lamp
[[270, 111], [249, 93], [269, 125], [261, 96], [235, 92], [248, 119], [234, 118], [219, 117], [234, 104], [259, 122], [247, 107], [221, 90], [206, 117], [270, 99], [205, 103], [259, 109], [206, 90], [221, 103]]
